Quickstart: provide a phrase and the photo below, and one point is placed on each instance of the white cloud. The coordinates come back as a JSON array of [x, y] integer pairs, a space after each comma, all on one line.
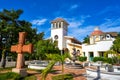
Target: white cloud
[[75, 24], [81, 32], [113, 29], [76, 28], [73, 7], [109, 8], [85, 16], [111, 25], [39, 21]]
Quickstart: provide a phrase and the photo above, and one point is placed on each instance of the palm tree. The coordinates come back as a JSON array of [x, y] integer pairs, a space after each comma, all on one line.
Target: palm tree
[[47, 69], [55, 58], [115, 49]]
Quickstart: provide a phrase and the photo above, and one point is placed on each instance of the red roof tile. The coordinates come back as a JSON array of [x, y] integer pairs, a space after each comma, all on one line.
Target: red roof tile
[[59, 20], [96, 32]]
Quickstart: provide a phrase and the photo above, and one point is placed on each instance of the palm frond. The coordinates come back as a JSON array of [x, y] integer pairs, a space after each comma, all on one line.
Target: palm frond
[[48, 69]]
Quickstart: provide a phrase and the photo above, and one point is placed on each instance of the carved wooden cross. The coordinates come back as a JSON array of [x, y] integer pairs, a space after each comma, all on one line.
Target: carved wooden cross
[[20, 48]]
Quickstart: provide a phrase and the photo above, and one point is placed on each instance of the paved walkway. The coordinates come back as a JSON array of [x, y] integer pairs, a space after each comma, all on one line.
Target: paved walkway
[[77, 73]]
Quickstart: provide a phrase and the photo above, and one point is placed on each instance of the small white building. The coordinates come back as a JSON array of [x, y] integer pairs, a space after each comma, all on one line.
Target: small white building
[[59, 30], [100, 42]]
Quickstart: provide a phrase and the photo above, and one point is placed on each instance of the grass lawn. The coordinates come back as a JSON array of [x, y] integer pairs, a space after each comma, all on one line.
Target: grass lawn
[[7, 74]]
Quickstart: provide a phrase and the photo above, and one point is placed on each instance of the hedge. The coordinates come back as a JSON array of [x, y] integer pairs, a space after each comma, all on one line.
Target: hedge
[[104, 59], [82, 59]]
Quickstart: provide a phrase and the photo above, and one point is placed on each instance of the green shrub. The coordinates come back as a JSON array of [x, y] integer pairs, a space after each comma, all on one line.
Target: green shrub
[[104, 59], [109, 60], [66, 77], [10, 75], [99, 59], [30, 78], [115, 60], [82, 59]]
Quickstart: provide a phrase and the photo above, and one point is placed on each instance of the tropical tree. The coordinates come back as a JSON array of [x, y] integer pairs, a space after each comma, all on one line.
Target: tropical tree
[[10, 26], [54, 58], [44, 47], [47, 69], [115, 49], [10, 23], [116, 45], [35, 55], [86, 40]]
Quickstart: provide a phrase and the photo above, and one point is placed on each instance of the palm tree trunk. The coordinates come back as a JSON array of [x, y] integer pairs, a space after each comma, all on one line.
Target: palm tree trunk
[[62, 71]]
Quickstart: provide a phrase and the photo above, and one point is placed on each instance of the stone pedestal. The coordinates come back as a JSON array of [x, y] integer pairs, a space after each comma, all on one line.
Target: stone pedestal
[[22, 71]]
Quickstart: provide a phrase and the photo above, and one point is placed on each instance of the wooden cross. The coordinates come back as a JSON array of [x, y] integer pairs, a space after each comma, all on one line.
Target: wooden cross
[[20, 48]]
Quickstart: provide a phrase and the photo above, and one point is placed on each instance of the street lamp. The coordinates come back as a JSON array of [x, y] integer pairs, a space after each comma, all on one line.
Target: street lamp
[[4, 42], [0, 45]]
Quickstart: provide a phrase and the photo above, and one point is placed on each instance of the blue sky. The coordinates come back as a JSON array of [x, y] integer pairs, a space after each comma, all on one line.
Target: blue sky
[[82, 15]]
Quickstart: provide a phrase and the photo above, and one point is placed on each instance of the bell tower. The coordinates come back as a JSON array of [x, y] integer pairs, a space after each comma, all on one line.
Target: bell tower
[[59, 28]]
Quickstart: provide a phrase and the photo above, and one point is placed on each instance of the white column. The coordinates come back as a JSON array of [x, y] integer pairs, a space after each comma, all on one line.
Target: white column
[[62, 24], [96, 54], [58, 25], [87, 55], [54, 25]]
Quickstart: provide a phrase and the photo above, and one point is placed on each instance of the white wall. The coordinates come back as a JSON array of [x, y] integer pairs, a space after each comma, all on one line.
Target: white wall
[[60, 39], [97, 47]]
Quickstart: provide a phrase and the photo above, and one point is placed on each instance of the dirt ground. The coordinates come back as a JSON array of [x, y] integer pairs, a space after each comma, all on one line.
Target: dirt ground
[[77, 73]]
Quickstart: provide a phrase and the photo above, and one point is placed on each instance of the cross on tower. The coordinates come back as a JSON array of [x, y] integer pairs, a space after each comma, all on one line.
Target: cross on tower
[[20, 48]]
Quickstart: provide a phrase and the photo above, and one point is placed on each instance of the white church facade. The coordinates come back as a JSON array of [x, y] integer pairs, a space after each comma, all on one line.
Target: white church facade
[[100, 42], [59, 33]]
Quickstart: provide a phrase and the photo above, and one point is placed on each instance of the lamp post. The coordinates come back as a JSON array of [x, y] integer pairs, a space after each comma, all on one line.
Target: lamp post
[[4, 43], [0, 46]]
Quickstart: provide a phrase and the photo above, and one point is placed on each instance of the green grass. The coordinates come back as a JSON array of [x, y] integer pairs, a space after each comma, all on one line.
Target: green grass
[[9, 76], [34, 70], [66, 77], [6, 74], [5, 69], [15, 76], [30, 78]]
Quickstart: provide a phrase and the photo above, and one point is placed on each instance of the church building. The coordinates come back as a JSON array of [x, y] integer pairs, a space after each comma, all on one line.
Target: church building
[[59, 33], [100, 42]]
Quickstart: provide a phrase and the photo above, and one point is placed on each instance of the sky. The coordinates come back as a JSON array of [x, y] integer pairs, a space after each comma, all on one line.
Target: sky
[[82, 15]]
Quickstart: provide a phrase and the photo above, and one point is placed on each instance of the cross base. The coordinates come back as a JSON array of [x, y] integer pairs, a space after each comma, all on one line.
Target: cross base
[[22, 71]]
